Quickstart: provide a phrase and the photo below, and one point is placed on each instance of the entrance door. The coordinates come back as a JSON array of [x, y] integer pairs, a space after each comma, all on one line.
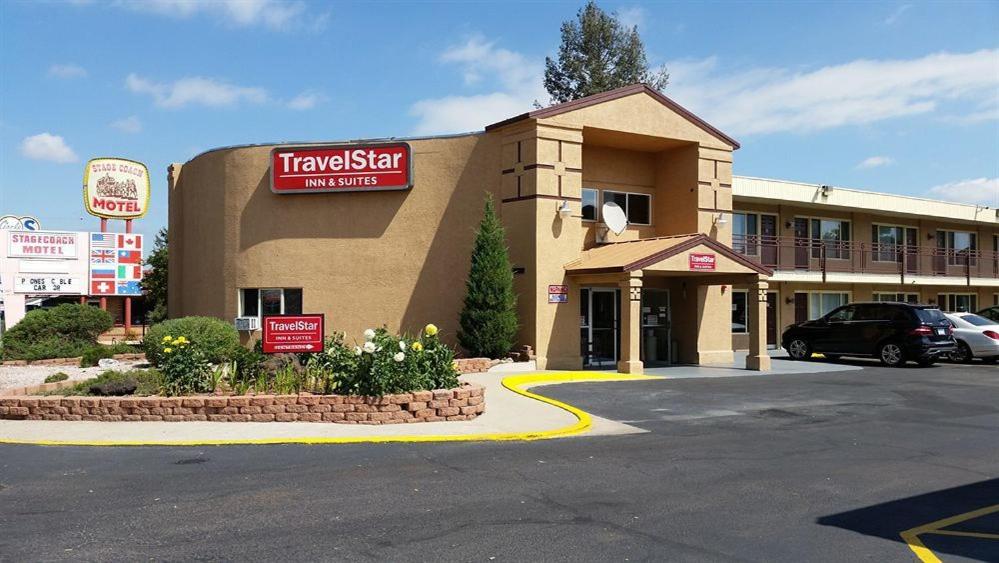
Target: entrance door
[[772, 302], [801, 243], [655, 345], [911, 251], [603, 326]]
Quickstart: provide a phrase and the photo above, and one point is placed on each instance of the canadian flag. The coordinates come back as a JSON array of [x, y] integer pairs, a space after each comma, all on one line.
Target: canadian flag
[[129, 242]]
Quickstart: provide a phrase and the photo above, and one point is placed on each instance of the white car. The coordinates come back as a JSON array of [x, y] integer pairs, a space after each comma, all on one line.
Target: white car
[[977, 337]]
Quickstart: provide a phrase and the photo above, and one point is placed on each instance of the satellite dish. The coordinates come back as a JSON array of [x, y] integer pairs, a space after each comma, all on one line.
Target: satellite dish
[[614, 217]]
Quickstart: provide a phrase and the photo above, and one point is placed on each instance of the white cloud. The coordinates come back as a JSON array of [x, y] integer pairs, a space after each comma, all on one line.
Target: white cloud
[[46, 146], [195, 90], [67, 71], [130, 124], [897, 13], [769, 100], [306, 100], [875, 162], [515, 81], [632, 16], [273, 14], [981, 191]]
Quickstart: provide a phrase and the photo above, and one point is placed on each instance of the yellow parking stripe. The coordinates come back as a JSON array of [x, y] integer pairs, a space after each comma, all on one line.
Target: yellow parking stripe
[[515, 383], [911, 536]]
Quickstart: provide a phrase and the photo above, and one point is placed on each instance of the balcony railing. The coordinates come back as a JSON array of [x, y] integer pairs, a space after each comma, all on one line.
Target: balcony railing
[[812, 255]]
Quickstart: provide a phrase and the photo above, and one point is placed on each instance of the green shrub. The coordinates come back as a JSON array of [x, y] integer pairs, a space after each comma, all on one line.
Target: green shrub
[[94, 354], [215, 339], [136, 382], [56, 377], [184, 367], [489, 315], [65, 331]]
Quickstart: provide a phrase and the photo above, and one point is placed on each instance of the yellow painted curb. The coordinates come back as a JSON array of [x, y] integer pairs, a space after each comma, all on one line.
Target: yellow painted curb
[[515, 383], [911, 536]]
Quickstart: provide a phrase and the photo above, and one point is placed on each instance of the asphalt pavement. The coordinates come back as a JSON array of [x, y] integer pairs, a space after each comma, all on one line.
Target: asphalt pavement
[[804, 467]]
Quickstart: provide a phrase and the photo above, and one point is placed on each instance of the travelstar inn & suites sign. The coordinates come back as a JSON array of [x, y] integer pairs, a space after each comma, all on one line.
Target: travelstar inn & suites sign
[[341, 168]]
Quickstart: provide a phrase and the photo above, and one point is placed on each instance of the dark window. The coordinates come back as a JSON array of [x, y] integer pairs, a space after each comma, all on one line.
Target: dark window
[[250, 299], [292, 301], [739, 320], [977, 321], [640, 209], [842, 314], [270, 302], [930, 315], [589, 204]]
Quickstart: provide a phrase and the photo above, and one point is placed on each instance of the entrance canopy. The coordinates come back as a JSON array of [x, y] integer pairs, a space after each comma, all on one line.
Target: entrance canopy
[[696, 254]]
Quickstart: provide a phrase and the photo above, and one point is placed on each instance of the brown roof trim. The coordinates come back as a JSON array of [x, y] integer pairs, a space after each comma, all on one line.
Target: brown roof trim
[[691, 243], [614, 95]]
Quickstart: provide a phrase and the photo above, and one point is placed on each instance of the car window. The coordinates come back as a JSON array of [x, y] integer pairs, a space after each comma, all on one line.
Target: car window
[[873, 313], [931, 316], [991, 313], [842, 314], [976, 320]]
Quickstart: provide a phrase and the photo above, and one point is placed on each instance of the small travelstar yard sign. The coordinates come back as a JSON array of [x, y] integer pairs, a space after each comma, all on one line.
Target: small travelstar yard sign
[[341, 168], [293, 333], [701, 261], [558, 294]]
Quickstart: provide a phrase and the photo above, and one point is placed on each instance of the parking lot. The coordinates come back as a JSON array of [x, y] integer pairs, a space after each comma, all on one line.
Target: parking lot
[[794, 467]]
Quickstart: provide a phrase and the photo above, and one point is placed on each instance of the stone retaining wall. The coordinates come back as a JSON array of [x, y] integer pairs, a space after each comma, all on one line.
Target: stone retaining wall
[[473, 365], [463, 403]]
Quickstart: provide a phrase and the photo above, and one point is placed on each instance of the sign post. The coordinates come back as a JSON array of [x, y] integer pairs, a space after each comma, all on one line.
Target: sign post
[[293, 333]]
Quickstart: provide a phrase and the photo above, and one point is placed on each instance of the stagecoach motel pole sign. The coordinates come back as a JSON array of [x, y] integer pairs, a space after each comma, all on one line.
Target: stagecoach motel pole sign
[[116, 188]]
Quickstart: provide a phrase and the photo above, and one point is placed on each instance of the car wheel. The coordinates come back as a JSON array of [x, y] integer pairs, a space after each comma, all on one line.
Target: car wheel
[[892, 355], [799, 349], [963, 353]]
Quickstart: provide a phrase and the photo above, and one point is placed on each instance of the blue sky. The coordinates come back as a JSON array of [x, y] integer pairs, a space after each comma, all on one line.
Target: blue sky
[[887, 96]]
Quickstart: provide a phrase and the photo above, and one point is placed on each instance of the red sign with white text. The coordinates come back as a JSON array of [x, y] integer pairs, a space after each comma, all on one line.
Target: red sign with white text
[[701, 261], [341, 168], [293, 333]]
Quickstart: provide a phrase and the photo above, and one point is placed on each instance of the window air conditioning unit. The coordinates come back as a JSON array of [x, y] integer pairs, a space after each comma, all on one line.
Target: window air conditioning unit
[[247, 323]]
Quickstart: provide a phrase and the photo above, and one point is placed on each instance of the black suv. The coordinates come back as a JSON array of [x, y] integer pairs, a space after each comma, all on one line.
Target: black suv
[[892, 332], [992, 313]]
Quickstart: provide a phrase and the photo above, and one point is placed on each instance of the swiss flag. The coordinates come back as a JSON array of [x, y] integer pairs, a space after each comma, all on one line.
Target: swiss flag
[[99, 287], [130, 242]]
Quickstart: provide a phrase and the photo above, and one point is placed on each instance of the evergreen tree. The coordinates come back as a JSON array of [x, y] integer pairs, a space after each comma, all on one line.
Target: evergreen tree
[[489, 317], [597, 54], [154, 283]]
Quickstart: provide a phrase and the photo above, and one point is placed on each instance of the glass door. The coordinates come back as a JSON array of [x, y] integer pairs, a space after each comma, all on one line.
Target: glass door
[[655, 346], [598, 326]]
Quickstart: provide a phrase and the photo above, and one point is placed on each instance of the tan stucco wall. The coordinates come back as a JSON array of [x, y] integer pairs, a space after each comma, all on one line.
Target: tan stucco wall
[[398, 258]]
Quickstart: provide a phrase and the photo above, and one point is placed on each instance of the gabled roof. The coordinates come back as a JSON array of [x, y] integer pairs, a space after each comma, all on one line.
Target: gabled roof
[[614, 95], [638, 254]]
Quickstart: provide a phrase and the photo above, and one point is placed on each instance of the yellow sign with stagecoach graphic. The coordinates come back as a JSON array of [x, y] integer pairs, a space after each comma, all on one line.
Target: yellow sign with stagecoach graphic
[[116, 188]]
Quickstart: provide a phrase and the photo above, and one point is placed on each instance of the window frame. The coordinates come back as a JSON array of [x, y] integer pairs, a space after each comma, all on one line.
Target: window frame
[[812, 293], [907, 294], [260, 303], [945, 307], [627, 205], [952, 253], [843, 252], [596, 205]]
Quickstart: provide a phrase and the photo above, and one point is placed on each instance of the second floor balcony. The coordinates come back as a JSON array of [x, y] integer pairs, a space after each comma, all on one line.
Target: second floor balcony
[[904, 261]]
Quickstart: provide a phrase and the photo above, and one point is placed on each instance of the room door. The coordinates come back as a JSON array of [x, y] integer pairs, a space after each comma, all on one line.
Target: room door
[[655, 345], [603, 327], [772, 321]]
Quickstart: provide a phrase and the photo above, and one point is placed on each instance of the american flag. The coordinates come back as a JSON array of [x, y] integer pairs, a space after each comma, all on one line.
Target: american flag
[[102, 240]]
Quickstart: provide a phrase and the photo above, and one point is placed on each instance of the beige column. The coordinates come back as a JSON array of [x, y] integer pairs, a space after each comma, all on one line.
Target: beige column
[[629, 360], [758, 359]]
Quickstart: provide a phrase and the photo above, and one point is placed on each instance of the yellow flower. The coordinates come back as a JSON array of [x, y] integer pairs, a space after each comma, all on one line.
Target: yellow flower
[[181, 340], [167, 350], [430, 329], [417, 346], [167, 338]]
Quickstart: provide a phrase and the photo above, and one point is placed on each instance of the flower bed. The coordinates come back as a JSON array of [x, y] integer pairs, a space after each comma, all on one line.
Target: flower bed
[[462, 403]]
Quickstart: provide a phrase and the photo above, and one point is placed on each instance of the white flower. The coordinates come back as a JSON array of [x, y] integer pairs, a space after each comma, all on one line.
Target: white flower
[[369, 347], [369, 334], [358, 351], [402, 345], [399, 356]]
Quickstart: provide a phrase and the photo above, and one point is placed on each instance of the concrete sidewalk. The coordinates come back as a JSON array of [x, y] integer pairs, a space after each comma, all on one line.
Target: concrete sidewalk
[[508, 416]]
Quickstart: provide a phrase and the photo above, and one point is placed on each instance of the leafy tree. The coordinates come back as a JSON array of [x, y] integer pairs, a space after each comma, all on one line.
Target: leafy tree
[[154, 283], [489, 317], [598, 53]]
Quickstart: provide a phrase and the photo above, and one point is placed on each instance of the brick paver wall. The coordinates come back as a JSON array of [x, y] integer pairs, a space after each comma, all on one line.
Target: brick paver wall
[[473, 365], [463, 403]]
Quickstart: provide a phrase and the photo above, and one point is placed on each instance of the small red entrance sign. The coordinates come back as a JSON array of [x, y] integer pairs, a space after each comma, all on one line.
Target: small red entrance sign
[[699, 261], [293, 333], [558, 294]]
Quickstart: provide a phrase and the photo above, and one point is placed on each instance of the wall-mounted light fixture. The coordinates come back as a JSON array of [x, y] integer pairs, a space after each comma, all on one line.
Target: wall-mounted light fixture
[[787, 225], [788, 300], [825, 190], [720, 219], [930, 236], [565, 210]]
